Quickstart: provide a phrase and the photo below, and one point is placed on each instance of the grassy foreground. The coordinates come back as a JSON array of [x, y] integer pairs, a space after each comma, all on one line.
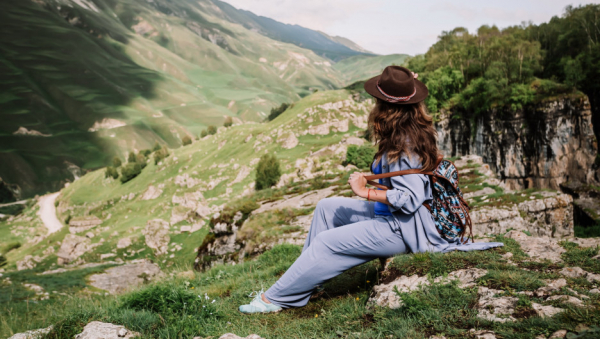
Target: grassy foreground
[[205, 304]]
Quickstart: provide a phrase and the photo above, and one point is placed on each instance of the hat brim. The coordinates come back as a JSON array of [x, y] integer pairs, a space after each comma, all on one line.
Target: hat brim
[[371, 88]]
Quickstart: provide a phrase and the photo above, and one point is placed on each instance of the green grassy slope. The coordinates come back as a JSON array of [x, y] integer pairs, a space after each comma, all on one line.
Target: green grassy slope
[[164, 69], [362, 67]]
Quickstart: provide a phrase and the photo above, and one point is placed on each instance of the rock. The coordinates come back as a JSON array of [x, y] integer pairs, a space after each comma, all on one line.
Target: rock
[[483, 334], [595, 291], [233, 336], [185, 180], [24, 131], [578, 272], [100, 330], [495, 308], [353, 141], [467, 277], [550, 217], [567, 299], [305, 200], [34, 334], [82, 224], [157, 235], [558, 334], [107, 255], [179, 213], [151, 193], [546, 310], [551, 286], [119, 279], [26, 264], [242, 174], [386, 296], [124, 243], [471, 159], [538, 248], [288, 140], [72, 247]]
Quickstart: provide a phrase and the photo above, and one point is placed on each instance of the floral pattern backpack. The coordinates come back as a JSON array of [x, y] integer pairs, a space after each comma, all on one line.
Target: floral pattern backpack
[[449, 209]]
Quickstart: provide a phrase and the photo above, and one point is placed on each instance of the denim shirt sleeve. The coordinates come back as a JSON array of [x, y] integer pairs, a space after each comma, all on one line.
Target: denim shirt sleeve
[[408, 192]]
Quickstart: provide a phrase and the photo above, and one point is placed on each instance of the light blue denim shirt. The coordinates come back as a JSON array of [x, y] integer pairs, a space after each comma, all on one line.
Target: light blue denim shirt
[[409, 217]]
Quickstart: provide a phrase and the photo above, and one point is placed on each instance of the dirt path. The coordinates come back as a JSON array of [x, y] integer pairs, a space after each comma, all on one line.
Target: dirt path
[[47, 212]]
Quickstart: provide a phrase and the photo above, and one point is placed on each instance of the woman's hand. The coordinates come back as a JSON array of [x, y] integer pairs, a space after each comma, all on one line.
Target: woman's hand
[[358, 183]]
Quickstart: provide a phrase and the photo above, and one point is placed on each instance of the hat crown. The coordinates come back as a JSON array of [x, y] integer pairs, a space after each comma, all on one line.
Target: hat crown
[[397, 81]]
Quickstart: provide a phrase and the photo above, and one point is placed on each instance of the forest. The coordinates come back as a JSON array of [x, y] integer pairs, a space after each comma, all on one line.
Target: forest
[[509, 68]]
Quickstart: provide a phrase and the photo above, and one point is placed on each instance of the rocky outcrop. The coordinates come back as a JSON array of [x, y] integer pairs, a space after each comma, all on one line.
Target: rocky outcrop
[[100, 330], [540, 146], [82, 224], [119, 279], [72, 247], [157, 235], [33, 334]]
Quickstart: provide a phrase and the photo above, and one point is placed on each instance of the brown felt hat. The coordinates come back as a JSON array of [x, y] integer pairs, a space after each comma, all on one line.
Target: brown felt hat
[[397, 85]]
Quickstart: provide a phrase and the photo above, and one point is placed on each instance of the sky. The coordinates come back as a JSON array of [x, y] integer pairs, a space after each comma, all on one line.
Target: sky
[[401, 26]]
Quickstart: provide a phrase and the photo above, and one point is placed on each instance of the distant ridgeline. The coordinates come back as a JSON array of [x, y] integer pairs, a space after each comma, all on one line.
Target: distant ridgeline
[[83, 81], [525, 98]]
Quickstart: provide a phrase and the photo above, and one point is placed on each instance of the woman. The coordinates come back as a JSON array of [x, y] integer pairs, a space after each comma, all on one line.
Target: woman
[[347, 232]]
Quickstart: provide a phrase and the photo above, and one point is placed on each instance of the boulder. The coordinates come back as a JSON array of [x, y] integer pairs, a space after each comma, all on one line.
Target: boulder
[[72, 247], [538, 247], [545, 310], [124, 242], [119, 279], [567, 299], [578, 272], [100, 330], [288, 140], [157, 235], [551, 286], [151, 193], [82, 224], [495, 308], [33, 334]]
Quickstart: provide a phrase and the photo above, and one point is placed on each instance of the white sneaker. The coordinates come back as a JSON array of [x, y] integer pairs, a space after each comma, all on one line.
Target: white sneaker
[[257, 305]]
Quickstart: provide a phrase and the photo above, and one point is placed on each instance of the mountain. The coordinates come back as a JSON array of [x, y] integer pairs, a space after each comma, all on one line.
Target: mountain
[[334, 48], [83, 81], [362, 67]]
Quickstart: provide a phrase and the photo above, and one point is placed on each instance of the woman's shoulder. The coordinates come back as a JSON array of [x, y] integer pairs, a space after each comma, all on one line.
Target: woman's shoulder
[[405, 161]]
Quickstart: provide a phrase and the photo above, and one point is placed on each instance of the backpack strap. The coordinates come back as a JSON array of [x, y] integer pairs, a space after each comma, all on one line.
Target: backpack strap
[[370, 178]]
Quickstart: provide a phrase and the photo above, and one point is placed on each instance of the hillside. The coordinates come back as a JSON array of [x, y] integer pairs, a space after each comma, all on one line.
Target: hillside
[[362, 67], [197, 207], [86, 80]]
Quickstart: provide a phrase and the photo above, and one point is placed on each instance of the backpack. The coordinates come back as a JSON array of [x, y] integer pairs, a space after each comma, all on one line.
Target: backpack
[[449, 209]]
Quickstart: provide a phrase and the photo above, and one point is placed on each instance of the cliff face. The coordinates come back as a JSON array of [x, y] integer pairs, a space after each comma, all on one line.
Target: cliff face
[[541, 146]]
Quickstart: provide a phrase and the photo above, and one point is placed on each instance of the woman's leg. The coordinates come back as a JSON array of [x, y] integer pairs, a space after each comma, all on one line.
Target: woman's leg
[[332, 252], [335, 212]]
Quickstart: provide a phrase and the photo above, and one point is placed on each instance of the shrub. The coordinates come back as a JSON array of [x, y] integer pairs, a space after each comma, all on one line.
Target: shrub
[[131, 157], [146, 152], [203, 133], [228, 122], [186, 140], [161, 154], [267, 172], [276, 111], [211, 130], [168, 299], [116, 162], [130, 171], [111, 172], [3, 261], [156, 147], [360, 156], [141, 160], [11, 246]]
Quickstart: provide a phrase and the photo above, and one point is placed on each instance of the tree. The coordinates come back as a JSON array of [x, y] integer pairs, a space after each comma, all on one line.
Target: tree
[[360, 156], [268, 172], [130, 171], [203, 133], [111, 172], [186, 140], [116, 162], [276, 111], [156, 146], [212, 129], [141, 160], [161, 154], [131, 158], [228, 122]]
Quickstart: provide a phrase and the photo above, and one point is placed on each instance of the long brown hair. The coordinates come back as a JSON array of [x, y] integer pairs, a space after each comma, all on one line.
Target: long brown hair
[[404, 129]]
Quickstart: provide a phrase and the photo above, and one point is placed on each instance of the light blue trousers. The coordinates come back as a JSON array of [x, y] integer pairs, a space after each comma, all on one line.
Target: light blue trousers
[[344, 233]]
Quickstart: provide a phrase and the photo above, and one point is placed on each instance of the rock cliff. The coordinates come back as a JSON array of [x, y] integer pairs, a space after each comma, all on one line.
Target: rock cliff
[[540, 146]]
